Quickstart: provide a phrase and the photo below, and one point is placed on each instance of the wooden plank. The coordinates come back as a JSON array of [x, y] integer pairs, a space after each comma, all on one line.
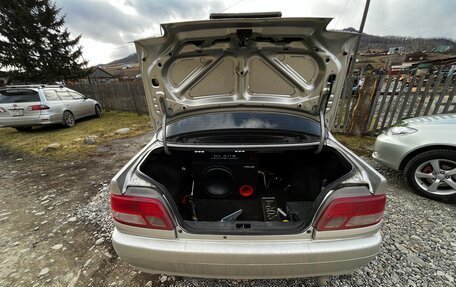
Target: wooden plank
[[394, 108], [442, 94], [135, 100], [424, 96], [450, 99], [382, 104], [434, 91], [374, 103], [406, 98], [390, 102], [363, 106], [417, 94]]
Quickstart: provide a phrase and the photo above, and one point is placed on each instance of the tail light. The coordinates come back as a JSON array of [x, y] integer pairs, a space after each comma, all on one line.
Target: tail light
[[37, 108], [141, 212], [2, 110], [352, 212]]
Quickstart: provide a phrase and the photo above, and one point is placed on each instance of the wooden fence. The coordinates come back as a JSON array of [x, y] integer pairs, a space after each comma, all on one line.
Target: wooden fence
[[395, 98], [121, 96], [383, 100]]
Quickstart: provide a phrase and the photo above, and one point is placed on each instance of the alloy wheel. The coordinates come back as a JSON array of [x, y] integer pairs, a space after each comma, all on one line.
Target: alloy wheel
[[437, 176]]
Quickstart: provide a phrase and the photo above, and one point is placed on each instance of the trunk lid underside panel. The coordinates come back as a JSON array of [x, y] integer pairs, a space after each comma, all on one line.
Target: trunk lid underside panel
[[250, 63]]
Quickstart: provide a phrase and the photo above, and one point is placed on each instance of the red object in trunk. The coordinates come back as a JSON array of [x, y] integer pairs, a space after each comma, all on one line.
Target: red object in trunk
[[246, 190]]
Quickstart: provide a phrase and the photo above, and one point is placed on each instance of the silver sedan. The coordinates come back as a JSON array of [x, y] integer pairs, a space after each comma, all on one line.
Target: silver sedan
[[22, 107], [425, 149], [242, 178]]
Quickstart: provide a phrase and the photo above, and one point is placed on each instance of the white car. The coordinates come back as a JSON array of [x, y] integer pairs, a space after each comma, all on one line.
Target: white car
[[424, 148], [25, 106]]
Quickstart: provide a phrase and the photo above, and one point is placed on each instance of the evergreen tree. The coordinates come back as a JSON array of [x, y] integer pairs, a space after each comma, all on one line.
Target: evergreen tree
[[35, 46]]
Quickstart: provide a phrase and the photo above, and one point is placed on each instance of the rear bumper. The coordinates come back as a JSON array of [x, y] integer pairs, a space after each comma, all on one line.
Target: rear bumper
[[246, 259], [31, 121]]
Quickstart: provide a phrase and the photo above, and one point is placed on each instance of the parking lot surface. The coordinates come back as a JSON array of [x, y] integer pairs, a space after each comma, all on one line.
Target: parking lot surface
[[55, 229]]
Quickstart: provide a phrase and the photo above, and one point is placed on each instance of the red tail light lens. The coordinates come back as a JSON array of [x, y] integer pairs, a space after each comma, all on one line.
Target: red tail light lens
[[2, 110], [141, 212], [37, 108], [352, 212]]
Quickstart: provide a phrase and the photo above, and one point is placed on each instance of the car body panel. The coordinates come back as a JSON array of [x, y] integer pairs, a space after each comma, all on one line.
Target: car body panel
[[278, 63], [437, 130], [80, 108], [246, 259], [303, 254]]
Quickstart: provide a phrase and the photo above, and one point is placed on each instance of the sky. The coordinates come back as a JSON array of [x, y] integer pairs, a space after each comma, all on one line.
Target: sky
[[108, 27]]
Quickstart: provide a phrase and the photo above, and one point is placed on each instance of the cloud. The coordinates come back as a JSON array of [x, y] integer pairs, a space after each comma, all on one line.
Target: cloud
[[116, 23], [104, 21]]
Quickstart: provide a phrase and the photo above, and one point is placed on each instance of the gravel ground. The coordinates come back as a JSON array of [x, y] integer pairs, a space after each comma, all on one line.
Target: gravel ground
[[55, 228], [419, 246]]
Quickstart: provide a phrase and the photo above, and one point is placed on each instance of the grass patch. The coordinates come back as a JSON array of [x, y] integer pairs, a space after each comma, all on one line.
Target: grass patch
[[359, 145], [71, 140]]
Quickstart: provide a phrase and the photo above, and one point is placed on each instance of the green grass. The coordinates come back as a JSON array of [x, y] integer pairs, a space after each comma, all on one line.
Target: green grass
[[71, 140], [360, 145]]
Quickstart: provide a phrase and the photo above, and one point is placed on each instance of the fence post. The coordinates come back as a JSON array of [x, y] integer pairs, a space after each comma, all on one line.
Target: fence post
[[363, 105]]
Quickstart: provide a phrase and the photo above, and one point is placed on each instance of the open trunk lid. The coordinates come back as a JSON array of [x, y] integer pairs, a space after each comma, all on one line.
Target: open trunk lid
[[245, 62]]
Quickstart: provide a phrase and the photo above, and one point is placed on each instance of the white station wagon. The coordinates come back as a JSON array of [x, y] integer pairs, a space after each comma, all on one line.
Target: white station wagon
[[25, 106], [242, 178]]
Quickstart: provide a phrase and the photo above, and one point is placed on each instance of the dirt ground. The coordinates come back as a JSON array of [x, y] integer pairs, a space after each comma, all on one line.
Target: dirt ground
[[38, 227], [44, 241]]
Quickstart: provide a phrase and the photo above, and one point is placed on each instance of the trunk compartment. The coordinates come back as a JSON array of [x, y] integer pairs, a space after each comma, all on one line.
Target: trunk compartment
[[258, 191]]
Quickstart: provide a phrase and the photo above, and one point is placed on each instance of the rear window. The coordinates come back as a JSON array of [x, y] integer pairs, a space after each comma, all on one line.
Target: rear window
[[246, 121], [51, 95], [18, 96]]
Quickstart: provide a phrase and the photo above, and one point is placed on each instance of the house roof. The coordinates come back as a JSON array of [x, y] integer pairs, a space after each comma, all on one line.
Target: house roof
[[396, 49], [441, 48], [417, 56], [424, 66], [99, 73]]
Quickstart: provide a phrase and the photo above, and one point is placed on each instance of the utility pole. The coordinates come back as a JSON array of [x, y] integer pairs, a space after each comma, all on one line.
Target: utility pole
[[349, 81]]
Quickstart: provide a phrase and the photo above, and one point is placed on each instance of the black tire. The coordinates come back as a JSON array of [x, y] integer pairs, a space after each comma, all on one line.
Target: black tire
[[421, 175], [68, 119], [23, 129], [97, 111]]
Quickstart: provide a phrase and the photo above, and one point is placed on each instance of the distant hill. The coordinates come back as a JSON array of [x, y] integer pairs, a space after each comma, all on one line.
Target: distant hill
[[130, 59], [371, 42], [411, 44]]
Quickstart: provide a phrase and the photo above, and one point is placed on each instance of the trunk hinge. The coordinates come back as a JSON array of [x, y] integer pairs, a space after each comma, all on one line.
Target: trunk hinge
[[165, 114], [324, 103]]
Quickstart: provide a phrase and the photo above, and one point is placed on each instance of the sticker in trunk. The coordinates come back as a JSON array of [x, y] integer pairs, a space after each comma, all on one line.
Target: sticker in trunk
[[269, 209]]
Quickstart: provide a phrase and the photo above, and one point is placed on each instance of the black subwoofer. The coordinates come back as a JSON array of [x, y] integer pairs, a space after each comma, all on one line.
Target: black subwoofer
[[224, 175]]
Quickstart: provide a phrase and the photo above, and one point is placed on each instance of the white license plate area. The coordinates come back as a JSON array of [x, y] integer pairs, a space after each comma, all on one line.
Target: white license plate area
[[16, 112]]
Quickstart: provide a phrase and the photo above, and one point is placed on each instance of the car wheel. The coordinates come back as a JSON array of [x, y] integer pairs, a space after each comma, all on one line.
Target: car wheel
[[433, 174], [68, 119], [97, 111], [23, 129]]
